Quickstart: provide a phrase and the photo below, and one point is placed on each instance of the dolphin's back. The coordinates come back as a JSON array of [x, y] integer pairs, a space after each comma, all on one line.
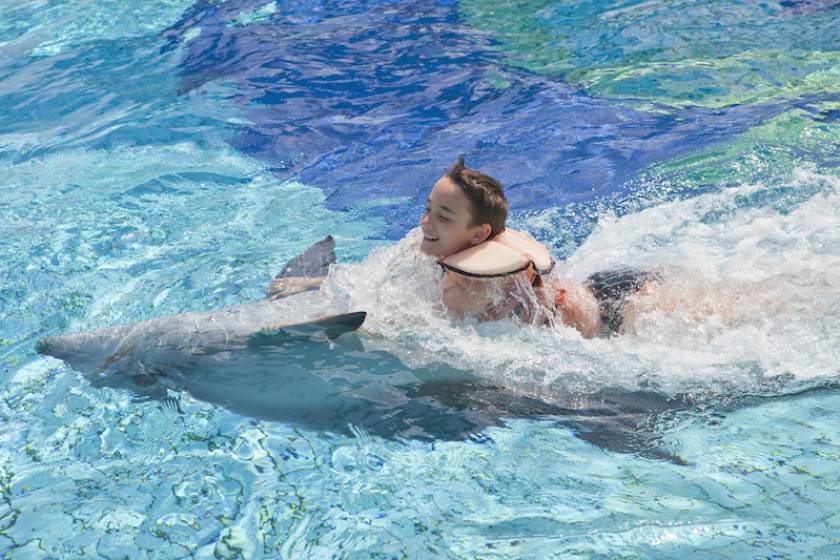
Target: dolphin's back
[[208, 332]]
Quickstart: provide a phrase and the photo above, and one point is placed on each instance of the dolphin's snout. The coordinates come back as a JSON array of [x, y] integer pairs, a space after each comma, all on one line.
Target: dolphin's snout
[[46, 346]]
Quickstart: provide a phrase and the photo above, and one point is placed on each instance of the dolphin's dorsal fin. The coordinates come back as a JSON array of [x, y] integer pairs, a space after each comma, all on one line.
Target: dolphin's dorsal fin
[[304, 272]]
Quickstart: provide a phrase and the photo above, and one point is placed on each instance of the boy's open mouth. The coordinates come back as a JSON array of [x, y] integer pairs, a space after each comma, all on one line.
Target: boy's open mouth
[[427, 238]]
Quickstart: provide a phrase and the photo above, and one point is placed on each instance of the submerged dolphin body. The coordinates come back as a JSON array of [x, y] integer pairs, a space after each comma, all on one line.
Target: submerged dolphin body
[[343, 388]]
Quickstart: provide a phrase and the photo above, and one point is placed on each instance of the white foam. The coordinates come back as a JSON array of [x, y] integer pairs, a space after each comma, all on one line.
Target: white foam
[[753, 269]]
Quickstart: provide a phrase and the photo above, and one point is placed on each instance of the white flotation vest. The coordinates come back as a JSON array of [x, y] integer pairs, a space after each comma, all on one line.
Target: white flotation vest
[[509, 252]]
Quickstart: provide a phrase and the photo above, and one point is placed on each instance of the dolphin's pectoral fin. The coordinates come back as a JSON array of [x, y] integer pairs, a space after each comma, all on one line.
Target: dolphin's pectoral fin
[[332, 327], [304, 272], [114, 358], [145, 384]]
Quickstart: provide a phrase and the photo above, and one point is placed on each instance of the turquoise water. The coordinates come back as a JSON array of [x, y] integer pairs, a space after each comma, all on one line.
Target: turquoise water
[[172, 156]]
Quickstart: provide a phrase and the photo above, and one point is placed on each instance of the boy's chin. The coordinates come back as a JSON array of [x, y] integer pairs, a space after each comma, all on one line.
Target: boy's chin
[[431, 248], [426, 250]]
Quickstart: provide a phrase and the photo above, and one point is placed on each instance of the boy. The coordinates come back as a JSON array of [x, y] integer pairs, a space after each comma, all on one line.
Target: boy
[[464, 228]]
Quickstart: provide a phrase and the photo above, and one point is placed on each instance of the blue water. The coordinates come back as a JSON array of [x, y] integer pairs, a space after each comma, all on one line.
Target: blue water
[[172, 155]]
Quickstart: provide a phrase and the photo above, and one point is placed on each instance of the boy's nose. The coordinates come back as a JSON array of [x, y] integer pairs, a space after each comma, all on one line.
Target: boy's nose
[[424, 220]]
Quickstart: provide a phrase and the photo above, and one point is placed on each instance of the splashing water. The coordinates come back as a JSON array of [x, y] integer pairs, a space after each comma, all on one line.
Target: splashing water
[[749, 288]]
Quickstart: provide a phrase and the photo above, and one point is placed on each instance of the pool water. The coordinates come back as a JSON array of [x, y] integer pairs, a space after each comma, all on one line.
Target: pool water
[[171, 155]]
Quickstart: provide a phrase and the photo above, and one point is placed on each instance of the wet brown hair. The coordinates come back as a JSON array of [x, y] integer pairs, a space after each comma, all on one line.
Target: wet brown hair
[[487, 199]]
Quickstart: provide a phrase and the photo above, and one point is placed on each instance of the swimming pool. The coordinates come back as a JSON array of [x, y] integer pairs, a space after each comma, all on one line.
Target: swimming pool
[[170, 156]]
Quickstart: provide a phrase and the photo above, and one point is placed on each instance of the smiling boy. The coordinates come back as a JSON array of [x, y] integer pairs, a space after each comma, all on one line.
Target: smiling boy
[[492, 272]]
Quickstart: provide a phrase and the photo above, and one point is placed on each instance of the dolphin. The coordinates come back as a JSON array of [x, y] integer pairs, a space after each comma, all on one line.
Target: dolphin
[[318, 375], [344, 388]]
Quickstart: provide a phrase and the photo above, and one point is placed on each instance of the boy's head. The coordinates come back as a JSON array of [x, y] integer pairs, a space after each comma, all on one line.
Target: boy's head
[[465, 208]]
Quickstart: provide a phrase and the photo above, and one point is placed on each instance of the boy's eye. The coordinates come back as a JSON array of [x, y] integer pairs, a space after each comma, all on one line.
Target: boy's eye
[[443, 218], [427, 210]]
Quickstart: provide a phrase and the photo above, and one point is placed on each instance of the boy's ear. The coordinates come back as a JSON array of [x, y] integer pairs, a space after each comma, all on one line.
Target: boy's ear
[[480, 234]]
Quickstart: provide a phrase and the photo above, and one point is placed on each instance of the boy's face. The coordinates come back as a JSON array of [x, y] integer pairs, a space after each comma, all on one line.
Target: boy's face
[[446, 222]]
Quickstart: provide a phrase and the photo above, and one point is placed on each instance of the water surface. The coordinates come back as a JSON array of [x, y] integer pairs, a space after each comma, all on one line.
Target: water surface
[[172, 156]]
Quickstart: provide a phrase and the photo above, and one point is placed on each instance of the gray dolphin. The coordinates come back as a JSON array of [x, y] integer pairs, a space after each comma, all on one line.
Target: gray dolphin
[[241, 359], [343, 388]]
